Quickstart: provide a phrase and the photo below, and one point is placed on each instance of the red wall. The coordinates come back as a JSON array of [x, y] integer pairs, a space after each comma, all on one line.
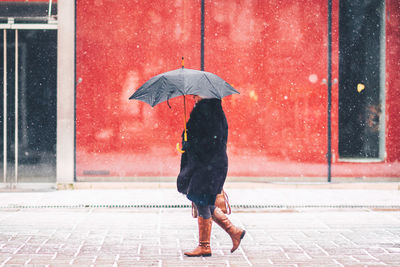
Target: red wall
[[393, 80], [47, 1], [273, 52]]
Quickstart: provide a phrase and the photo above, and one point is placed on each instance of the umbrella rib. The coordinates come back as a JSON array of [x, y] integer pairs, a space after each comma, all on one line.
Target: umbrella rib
[[213, 86], [142, 90], [159, 94], [150, 83]]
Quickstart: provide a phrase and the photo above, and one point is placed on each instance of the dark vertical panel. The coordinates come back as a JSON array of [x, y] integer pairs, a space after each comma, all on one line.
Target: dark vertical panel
[[359, 78], [37, 104]]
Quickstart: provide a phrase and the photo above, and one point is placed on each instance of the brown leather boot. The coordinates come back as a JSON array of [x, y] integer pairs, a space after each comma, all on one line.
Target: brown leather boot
[[203, 249], [235, 233]]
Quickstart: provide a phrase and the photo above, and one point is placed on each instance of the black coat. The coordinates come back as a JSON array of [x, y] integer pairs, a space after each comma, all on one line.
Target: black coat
[[204, 164]]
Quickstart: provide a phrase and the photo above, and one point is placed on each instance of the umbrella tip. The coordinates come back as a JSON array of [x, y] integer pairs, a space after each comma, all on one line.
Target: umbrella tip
[[183, 63]]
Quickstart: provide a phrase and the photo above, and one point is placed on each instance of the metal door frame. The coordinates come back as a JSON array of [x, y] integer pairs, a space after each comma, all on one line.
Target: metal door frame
[[52, 25]]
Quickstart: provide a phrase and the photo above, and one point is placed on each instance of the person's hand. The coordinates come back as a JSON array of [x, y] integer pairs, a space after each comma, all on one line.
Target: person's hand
[[185, 144]]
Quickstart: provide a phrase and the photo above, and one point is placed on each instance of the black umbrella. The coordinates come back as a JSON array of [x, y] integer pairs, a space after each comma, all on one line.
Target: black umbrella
[[181, 82]]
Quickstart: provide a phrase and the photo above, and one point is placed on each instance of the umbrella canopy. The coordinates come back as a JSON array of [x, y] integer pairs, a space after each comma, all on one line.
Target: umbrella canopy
[[180, 82]]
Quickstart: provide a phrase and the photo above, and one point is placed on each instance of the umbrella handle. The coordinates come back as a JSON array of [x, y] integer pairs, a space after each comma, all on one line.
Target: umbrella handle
[[179, 149], [184, 107]]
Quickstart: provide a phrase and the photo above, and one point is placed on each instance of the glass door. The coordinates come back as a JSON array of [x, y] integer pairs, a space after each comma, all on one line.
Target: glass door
[[28, 106], [361, 80]]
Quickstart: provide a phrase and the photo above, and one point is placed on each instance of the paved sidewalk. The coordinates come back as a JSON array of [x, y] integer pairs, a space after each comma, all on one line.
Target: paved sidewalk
[[286, 224], [158, 237]]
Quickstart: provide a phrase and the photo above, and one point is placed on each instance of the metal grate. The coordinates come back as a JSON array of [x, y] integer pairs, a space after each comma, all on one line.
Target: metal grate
[[161, 206]]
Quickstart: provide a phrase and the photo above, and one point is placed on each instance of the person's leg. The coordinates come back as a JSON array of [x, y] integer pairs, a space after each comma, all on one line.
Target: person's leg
[[212, 208], [234, 232], [204, 211], [204, 223]]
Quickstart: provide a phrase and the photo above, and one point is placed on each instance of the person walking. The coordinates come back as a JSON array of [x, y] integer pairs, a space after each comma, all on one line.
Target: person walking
[[204, 165]]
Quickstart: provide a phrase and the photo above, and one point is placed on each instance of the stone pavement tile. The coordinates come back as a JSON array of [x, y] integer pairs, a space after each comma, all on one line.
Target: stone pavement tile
[[389, 257], [132, 262], [28, 249], [39, 259], [298, 257], [56, 263], [47, 249], [19, 259], [84, 260], [373, 264], [89, 249], [62, 258], [4, 258], [346, 260], [366, 258], [9, 248], [324, 264], [375, 251]]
